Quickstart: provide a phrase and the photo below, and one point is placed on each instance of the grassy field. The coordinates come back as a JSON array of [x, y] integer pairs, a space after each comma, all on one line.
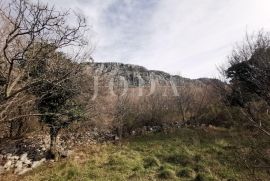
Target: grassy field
[[199, 155]]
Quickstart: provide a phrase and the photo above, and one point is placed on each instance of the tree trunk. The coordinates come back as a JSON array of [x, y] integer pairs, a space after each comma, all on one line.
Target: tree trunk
[[119, 132], [53, 151], [19, 130], [11, 128]]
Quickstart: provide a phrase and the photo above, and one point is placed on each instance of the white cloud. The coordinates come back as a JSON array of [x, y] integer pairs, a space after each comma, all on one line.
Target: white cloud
[[187, 36]]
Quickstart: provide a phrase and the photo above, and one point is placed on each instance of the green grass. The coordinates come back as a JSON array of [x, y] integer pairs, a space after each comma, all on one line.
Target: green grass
[[186, 173], [196, 155]]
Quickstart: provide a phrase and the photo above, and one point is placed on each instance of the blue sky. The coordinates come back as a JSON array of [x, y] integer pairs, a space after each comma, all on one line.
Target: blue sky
[[187, 37]]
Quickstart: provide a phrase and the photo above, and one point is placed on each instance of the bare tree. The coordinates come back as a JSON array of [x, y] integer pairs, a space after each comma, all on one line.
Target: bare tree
[[31, 27], [121, 111], [184, 101], [31, 63]]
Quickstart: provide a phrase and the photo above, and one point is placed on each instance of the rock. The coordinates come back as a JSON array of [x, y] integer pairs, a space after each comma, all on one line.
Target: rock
[[19, 164], [2, 159], [2, 170], [27, 162], [23, 171], [18, 167], [23, 157], [15, 158], [8, 165], [116, 138], [38, 163], [66, 153], [9, 155]]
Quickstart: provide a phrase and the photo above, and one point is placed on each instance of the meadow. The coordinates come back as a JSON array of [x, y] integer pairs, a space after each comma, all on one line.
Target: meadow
[[188, 154]]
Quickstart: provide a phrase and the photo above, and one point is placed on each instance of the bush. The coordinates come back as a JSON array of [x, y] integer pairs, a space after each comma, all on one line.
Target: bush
[[216, 115]]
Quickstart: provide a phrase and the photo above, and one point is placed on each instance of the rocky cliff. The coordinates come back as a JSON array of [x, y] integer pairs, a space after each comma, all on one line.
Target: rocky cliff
[[137, 75]]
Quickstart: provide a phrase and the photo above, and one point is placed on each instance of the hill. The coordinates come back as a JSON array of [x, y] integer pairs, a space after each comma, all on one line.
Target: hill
[[135, 74]]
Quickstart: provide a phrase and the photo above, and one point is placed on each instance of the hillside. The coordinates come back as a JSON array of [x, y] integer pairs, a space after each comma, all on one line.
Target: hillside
[[65, 117], [135, 74]]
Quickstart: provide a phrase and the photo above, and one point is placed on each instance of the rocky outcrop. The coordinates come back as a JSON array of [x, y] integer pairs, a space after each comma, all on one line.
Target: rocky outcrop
[[136, 75], [22, 155], [18, 164]]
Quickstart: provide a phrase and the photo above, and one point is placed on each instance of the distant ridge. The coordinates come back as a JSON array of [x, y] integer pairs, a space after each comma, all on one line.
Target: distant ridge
[[135, 74]]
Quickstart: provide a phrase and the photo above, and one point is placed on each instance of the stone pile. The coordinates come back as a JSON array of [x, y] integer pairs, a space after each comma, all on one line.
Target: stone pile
[[18, 164]]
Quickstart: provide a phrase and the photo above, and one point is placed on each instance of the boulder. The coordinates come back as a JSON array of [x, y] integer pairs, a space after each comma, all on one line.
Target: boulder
[[23, 157], [65, 153], [116, 138], [24, 170], [15, 158], [18, 167], [19, 164], [27, 162], [8, 165], [9, 155], [38, 163]]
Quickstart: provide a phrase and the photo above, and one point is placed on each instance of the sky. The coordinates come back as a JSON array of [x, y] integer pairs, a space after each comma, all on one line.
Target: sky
[[185, 37]]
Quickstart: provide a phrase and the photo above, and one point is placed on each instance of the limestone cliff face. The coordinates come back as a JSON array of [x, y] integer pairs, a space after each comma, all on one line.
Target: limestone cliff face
[[137, 75]]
